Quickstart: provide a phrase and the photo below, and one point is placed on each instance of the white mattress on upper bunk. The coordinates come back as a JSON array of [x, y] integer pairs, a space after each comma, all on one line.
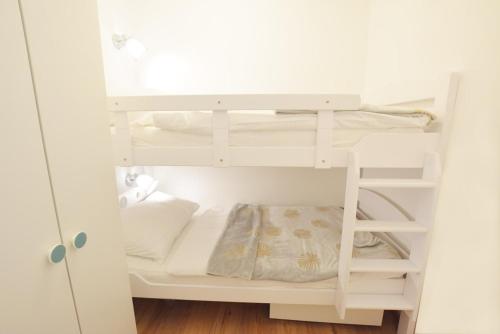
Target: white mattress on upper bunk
[[188, 260], [261, 129]]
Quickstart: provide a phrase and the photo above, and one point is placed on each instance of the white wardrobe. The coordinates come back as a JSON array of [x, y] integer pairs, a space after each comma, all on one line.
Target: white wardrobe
[[57, 176]]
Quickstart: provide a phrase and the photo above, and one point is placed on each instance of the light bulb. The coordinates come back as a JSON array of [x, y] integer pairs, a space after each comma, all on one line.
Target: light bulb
[[144, 181], [135, 48]]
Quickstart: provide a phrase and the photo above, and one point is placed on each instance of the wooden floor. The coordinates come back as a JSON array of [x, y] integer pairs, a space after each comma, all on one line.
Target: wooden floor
[[155, 316]]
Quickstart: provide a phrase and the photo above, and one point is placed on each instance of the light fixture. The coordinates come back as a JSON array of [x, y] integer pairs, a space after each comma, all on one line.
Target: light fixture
[[132, 45], [131, 179], [142, 181]]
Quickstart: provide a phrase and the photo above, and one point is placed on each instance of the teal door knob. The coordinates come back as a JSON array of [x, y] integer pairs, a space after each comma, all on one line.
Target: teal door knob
[[79, 240], [57, 253]]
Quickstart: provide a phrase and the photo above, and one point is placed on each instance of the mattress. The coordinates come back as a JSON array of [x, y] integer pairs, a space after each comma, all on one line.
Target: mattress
[[247, 129], [188, 260]]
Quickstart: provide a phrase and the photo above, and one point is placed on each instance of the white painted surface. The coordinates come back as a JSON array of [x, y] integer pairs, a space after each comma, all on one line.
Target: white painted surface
[[145, 288], [35, 295], [378, 301], [227, 46], [63, 41], [347, 239], [411, 40], [400, 151], [242, 102], [224, 187], [325, 314]]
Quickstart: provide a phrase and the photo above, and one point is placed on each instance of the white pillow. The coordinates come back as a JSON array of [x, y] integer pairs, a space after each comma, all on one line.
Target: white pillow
[[190, 254], [151, 226]]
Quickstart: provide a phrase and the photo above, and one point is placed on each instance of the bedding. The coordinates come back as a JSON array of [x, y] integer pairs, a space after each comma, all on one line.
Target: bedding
[[191, 252], [200, 122], [187, 261], [293, 244], [151, 226], [272, 129], [157, 273]]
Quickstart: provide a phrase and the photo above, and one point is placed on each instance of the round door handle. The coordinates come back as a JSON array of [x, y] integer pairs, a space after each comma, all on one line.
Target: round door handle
[[79, 240], [57, 253]]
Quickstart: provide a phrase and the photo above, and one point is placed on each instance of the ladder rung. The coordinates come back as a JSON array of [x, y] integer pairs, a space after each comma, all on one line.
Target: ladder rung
[[378, 302], [396, 183], [389, 226], [383, 266]]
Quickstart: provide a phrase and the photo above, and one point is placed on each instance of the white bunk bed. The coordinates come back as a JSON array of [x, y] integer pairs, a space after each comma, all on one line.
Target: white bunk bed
[[379, 149]]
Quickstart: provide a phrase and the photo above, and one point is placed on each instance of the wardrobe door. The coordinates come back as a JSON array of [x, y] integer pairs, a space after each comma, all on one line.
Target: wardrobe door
[[35, 295], [63, 42]]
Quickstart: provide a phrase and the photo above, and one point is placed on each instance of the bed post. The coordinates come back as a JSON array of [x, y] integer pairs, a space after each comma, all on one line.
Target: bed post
[[445, 104]]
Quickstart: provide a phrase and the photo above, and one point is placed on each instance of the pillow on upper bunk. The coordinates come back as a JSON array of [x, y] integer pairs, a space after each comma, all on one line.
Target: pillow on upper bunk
[[151, 227]]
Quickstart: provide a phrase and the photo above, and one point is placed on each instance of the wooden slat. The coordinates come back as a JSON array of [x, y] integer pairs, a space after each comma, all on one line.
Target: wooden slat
[[220, 138], [383, 266], [122, 145], [235, 102], [378, 302], [396, 183], [424, 214], [389, 226], [378, 150], [284, 156], [324, 138]]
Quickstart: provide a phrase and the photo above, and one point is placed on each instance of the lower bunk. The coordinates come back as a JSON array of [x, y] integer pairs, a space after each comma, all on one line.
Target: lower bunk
[[182, 274]]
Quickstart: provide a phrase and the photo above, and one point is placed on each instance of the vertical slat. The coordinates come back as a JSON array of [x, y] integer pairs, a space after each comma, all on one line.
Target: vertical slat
[[424, 215], [347, 240], [445, 103], [123, 140], [220, 136], [324, 139]]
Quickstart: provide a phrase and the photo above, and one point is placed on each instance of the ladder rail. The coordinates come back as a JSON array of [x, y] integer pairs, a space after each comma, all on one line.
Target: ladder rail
[[424, 215], [347, 239], [414, 266]]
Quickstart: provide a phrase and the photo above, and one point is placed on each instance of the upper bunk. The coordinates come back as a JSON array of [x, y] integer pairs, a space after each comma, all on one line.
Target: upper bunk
[[283, 130]]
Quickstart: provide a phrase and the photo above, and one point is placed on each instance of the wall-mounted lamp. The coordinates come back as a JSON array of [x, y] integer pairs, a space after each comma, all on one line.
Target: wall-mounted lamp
[[143, 181], [141, 185], [132, 45], [131, 179]]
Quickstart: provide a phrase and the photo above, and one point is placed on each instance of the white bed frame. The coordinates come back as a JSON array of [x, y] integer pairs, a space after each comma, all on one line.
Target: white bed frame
[[379, 150]]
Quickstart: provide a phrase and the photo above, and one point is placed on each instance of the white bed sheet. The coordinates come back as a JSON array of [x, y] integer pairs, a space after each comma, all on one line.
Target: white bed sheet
[[187, 261], [271, 130]]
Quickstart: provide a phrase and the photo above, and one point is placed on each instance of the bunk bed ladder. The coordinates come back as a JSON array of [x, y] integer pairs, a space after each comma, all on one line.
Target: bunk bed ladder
[[347, 239], [413, 267]]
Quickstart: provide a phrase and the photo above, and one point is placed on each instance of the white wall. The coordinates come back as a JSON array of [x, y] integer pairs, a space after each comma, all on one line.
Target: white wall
[[236, 46], [414, 40], [223, 187], [294, 46]]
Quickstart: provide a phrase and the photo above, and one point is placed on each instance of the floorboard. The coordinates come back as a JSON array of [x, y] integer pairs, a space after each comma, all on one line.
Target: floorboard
[[155, 316]]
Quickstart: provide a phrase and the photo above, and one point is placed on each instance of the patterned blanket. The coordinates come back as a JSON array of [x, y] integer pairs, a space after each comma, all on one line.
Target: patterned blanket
[[293, 244]]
